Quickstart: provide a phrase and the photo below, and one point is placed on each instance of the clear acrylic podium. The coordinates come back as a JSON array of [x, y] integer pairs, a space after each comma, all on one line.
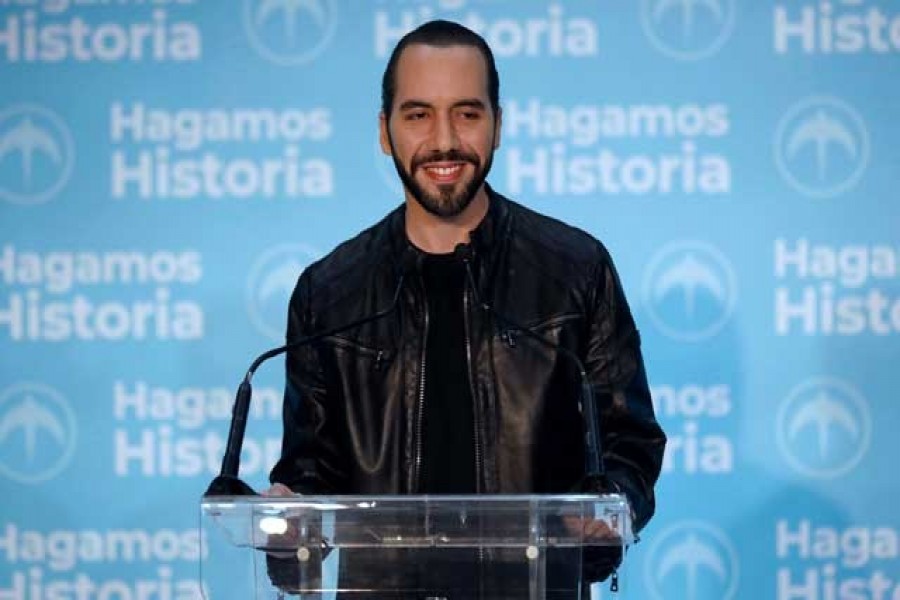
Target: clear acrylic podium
[[411, 546]]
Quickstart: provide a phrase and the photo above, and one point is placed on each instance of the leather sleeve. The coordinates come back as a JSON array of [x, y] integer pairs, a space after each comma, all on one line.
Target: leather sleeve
[[310, 460], [632, 440]]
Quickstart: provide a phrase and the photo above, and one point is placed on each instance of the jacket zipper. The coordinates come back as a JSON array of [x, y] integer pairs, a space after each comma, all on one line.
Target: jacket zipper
[[509, 335], [378, 355], [477, 433], [417, 465], [475, 412]]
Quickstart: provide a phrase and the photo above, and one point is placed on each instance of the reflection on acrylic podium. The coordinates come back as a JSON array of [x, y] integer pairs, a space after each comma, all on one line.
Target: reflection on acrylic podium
[[465, 547]]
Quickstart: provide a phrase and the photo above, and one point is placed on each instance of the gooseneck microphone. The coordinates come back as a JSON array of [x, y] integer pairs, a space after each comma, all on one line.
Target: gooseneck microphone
[[227, 482], [595, 471]]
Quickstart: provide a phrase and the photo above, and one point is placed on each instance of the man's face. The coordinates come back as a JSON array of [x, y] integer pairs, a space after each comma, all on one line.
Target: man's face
[[442, 131]]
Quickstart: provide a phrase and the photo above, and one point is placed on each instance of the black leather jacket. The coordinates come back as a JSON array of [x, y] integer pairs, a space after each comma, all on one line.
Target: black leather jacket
[[353, 404]]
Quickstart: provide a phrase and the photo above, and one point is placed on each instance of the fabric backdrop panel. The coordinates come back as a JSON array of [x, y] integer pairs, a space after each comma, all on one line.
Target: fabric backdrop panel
[[168, 167]]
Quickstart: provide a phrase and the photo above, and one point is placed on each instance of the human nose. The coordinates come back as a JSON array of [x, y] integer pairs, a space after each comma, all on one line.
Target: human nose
[[445, 134]]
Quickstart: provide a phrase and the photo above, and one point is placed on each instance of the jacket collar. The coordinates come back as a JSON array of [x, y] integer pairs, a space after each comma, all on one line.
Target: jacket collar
[[493, 226], [491, 230]]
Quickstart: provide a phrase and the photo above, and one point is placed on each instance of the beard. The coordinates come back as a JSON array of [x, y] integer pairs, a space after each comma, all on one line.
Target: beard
[[448, 201]]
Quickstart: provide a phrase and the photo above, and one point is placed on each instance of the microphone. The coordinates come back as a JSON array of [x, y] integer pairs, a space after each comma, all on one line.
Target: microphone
[[227, 482], [599, 562], [595, 472]]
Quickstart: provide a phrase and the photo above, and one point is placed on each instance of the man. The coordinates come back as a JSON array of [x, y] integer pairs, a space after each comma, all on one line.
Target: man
[[443, 395]]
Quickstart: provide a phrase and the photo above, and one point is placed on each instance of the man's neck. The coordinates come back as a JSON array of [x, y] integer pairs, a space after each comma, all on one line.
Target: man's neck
[[440, 235]]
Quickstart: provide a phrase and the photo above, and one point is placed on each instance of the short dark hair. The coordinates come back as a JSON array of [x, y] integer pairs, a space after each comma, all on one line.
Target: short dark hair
[[441, 34]]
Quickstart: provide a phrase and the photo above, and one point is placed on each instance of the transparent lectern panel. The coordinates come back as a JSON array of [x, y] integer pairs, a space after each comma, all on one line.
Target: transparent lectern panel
[[414, 546]]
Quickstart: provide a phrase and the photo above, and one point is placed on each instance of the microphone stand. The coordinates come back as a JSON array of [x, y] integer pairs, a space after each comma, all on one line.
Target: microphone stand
[[227, 483], [595, 472]]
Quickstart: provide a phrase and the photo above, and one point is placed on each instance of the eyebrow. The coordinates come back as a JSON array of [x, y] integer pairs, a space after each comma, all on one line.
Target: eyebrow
[[467, 102], [470, 102]]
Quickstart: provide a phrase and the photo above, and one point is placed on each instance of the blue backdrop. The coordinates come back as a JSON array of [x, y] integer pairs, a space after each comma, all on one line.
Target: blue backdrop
[[168, 167]]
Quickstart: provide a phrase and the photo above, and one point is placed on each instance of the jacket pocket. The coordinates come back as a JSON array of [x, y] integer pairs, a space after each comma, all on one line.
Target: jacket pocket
[[379, 357], [511, 335]]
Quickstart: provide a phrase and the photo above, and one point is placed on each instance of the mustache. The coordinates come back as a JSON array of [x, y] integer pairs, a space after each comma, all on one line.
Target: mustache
[[448, 156]]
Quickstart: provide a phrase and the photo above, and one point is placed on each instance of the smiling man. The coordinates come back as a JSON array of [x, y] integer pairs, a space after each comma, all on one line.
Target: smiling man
[[442, 395], [441, 130]]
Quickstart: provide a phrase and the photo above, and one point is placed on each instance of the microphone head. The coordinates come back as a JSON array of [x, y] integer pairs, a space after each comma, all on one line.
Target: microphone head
[[463, 252]]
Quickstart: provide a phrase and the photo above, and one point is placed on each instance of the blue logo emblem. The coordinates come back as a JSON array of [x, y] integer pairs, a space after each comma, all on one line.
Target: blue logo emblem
[[290, 32], [272, 280], [37, 433], [824, 428], [688, 29], [36, 154], [689, 290], [821, 147], [691, 560]]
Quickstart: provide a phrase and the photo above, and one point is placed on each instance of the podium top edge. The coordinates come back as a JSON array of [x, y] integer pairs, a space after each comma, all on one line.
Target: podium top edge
[[357, 500]]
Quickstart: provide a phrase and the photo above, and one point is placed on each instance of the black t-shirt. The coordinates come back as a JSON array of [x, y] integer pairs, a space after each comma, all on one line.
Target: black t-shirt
[[448, 447]]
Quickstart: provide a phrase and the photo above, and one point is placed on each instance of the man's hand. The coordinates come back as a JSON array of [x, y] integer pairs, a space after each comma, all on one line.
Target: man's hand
[[278, 489], [287, 540], [602, 552], [594, 530]]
